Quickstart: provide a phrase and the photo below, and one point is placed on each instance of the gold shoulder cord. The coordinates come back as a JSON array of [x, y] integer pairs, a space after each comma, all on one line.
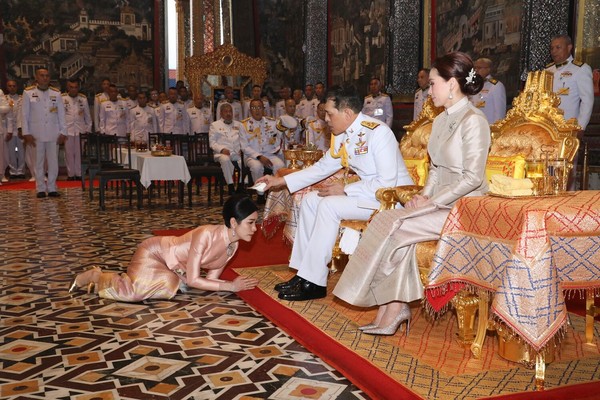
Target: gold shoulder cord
[[343, 154]]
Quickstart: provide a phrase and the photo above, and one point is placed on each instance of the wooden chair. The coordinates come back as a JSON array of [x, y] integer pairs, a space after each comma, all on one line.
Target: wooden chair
[[121, 171], [533, 126], [201, 164]]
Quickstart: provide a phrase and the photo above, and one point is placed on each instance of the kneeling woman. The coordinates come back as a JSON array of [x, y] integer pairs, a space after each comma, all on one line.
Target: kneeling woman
[[383, 269], [163, 264]]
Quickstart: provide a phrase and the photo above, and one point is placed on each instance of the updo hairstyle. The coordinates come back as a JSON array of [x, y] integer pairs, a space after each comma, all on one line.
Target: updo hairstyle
[[459, 65], [238, 207]]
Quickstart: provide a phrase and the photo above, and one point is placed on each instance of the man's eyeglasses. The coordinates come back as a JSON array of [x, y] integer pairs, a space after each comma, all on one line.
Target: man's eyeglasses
[[256, 108]]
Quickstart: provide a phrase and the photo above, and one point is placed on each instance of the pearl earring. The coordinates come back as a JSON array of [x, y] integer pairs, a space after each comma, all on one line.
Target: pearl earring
[[450, 96], [233, 232]]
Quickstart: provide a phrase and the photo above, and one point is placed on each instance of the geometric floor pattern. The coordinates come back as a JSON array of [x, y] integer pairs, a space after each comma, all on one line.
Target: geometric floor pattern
[[199, 345]]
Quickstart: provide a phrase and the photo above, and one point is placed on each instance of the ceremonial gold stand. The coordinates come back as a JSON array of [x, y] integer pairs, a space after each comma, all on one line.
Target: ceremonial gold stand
[[511, 348], [307, 157]]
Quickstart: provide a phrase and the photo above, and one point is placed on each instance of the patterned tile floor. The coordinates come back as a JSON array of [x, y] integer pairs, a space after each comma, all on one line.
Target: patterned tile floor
[[200, 345]]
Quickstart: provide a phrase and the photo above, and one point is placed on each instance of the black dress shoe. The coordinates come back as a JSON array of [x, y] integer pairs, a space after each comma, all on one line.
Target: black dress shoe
[[53, 194], [285, 286], [304, 291], [41, 195]]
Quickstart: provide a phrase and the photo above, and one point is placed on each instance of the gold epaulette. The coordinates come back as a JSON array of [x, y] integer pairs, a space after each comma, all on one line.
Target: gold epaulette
[[99, 94], [384, 94], [369, 95], [418, 90], [30, 87], [549, 65], [164, 102], [245, 120], [54, 88], [493, 81], [370, 125], [82, 95], [577, 62], [269, 118]]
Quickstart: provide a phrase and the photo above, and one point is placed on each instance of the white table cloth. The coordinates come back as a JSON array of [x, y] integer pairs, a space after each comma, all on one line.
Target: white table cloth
[[170, 168]]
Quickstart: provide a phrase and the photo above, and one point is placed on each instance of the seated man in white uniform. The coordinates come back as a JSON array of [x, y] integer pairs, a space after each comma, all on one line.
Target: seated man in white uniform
[[361, 143], [224, 140], [261, 143]]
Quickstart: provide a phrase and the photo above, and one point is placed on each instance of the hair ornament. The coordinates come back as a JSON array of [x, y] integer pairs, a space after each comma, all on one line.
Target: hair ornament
[[471, 78]]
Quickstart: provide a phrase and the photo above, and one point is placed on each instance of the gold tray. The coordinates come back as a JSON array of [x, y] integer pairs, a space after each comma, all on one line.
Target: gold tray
[[162, 153], [541, 196]]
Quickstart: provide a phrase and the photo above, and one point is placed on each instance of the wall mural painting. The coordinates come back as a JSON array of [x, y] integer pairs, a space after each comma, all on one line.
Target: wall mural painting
[[86, 39], [281, 26], [358, 42], [483, 28]]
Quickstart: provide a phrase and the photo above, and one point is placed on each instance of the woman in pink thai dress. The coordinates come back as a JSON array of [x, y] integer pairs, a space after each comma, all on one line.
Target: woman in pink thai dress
[[162, 265]]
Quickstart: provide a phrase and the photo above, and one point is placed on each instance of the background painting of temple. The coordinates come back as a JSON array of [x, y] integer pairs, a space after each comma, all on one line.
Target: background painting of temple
[[358, 42], [86, 39], [483, 28]]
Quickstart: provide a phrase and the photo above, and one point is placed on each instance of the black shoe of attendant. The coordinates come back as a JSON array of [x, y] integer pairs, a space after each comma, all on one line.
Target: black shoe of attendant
[[285, 286], [304, 291], [53, 194], [41, 195]]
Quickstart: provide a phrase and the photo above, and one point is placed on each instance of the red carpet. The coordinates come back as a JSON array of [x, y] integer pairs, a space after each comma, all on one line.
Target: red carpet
[[26, 185], [361, 372]]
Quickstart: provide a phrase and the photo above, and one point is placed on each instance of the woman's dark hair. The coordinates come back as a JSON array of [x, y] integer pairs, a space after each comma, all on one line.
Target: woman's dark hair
[[238, 207], [459, 66], [345, 97]]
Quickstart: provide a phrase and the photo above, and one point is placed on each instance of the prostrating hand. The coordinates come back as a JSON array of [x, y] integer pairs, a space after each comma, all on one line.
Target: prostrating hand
[[265, 161], [332, 189], [243, 283], [271, 181], [417, 201], [226, 152]]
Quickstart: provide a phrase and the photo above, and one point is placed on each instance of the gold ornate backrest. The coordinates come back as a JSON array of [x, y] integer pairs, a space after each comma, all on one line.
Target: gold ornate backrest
[[225, 60], [413, 144], [535, 124]]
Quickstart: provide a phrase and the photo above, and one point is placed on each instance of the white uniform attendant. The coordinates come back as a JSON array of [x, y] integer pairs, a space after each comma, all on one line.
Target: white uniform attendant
[[236, 106], [114, 118], [291, 136], [130, 103], [573, 83], [98, 100], [77, 120], [43, 117], [279, 108], [226, 136], [173, 118], [379, 107], [261, 138], [372, 151], [246, 108], [5, 128], [17, 156], [317, 133], [491, 100], [309, 107], [300, 110], [142, 121], [200, 119], [421, 96]]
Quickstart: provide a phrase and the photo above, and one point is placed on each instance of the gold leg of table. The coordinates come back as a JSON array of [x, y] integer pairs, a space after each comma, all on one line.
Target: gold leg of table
[[466, 305], [482, 324], [540, 371], [590, 314]]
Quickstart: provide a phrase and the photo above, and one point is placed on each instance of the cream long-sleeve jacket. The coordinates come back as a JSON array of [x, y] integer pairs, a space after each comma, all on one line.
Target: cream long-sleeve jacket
[[458, 148]]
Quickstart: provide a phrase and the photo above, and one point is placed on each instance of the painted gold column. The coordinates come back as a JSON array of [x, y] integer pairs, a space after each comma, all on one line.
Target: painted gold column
[[197, 11], [179, 6]]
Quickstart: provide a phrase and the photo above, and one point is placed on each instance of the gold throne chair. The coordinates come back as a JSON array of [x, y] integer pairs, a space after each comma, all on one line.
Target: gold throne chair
[[534, 127]]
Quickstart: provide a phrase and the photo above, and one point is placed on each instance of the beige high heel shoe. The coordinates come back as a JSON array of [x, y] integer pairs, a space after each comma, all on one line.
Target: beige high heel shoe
[[391, 329], [90, 285]]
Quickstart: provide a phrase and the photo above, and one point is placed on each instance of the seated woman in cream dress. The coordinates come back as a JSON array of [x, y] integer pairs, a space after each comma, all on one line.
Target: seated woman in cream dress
[[383, 269], [164, 264]]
